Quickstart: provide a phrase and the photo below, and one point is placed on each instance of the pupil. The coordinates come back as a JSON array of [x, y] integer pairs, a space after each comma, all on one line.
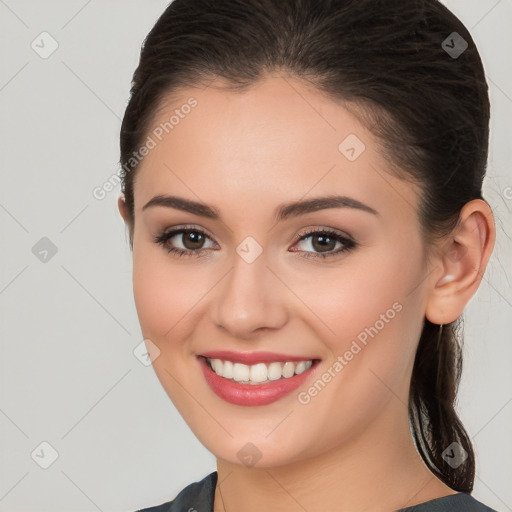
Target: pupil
[[324, 242], [195, 238]]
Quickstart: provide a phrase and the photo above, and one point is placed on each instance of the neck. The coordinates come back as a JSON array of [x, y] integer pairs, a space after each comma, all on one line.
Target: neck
[[379, 470]]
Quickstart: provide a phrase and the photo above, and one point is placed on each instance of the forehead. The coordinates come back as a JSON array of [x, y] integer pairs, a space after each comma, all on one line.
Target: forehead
[[278, 140]]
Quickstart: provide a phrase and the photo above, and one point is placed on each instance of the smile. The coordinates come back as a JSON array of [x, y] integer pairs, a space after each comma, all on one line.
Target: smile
[[258, 373], [255, 384]]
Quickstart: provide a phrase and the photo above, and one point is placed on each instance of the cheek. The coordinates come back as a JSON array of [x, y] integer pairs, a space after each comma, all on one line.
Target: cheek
[[364, 290], [164, 292], [371, 317]]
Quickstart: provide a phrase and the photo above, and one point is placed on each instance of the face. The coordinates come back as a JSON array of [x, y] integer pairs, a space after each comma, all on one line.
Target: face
[[340, 283]]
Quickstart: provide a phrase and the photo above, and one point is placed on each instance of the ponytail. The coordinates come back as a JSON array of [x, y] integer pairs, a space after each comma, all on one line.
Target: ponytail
[[435, 424]]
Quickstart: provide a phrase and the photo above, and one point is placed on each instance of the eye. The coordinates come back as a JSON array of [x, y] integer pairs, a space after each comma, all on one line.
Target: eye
[[324, 241], [191, 240]]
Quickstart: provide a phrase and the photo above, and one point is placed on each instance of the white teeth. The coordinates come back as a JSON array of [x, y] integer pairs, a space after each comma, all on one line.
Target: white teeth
[[217, 366], [257, 373], [288, 369], [240, 371], [301, 366], [274, 371], [227, 369]]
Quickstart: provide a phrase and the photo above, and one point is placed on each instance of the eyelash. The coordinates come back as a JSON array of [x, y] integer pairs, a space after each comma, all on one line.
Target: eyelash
[[166, 235]]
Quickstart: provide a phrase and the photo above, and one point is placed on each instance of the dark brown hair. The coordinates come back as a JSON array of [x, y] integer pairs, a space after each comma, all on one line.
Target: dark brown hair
[[429, 109]]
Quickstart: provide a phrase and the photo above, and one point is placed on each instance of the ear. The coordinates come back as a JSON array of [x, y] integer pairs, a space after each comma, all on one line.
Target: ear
[[461, 261], [123, 209]]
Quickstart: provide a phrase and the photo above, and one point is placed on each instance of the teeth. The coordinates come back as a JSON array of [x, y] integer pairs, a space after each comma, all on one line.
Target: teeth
[[288, 370], [274, 371], [300, 367], [240, 371], [226, 368], [257, 373]]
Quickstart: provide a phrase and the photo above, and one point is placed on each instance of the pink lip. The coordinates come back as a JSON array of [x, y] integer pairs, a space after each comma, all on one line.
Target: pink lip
[[252, 394], [253, 357]]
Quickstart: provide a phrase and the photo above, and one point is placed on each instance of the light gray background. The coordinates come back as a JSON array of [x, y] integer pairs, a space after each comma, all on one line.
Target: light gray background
[[69, 327]]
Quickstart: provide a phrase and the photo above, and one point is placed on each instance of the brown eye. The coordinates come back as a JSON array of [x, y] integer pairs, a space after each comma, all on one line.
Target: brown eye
[[192, 239], [323, 243], [183, 241]]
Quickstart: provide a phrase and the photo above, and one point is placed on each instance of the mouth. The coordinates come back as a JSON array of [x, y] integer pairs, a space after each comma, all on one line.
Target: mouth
[[259, 373], [255, 384]]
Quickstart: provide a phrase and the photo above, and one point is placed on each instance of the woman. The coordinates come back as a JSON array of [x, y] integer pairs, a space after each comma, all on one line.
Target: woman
[[302, 187]]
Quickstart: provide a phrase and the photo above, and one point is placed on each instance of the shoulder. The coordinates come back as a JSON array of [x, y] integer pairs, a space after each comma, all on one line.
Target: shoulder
[[196, 497], [460, 502]]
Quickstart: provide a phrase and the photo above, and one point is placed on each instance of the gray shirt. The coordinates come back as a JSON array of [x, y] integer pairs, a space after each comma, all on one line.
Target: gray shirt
[[198, 497]]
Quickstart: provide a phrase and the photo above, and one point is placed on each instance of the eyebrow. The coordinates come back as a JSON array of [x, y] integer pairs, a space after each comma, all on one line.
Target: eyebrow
[[285, 211]]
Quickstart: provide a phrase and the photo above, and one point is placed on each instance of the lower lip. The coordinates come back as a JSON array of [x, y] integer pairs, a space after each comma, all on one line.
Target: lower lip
[[252, 394]]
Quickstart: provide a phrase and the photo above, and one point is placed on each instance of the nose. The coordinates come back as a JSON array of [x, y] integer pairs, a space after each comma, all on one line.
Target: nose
[[250, 299]]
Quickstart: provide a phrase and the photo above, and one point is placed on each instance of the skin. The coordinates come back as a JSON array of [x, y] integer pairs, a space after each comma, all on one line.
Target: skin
[[245, 154]]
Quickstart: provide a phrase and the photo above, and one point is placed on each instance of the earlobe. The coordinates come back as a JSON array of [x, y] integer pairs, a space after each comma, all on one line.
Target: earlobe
[[462, 259], [121, 205]]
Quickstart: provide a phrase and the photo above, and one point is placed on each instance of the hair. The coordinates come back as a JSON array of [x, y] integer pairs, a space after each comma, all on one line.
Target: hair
[[385, 60]]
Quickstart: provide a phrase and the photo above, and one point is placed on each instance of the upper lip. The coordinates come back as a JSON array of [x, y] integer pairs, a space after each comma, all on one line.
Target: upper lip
[[250, 358]]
